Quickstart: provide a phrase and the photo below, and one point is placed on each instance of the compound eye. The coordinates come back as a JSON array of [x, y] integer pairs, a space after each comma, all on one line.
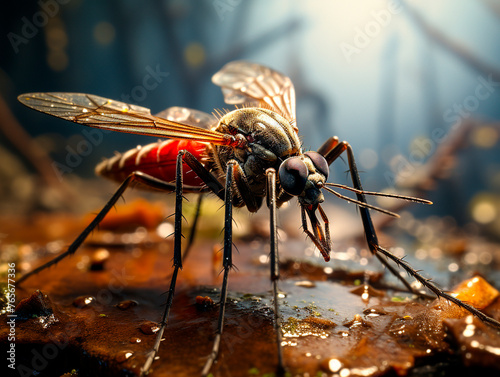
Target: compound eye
[[319, 163], [293, 175]]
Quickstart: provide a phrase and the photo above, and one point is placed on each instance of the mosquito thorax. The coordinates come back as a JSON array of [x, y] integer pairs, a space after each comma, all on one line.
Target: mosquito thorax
[[270, 139]]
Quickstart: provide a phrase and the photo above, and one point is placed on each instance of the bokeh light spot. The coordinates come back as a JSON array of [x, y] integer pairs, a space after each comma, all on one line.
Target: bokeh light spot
[[485, 137], [484, 211], [104, 33], [57, 60], [194, 54], [368, 158]]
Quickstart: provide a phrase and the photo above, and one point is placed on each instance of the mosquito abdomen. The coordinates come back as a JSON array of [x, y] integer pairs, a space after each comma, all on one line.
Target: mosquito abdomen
[[155, 159]]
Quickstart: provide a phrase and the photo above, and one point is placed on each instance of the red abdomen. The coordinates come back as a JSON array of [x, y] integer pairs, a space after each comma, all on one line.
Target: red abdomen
[[156, 159]]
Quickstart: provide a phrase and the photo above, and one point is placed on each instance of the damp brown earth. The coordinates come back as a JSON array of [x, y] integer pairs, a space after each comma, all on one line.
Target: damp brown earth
[[96, 313]]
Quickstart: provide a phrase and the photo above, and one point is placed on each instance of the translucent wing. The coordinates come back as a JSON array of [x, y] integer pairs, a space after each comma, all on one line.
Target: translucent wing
[[99, 112], [188, 116], [244, 82]]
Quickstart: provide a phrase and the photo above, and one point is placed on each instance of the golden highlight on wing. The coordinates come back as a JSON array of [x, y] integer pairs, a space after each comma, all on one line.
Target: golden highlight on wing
[[99, 112], [191, 117], [244, 82]]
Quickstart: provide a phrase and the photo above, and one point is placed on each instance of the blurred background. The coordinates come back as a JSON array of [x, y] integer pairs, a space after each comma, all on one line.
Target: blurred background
[[412, 85]]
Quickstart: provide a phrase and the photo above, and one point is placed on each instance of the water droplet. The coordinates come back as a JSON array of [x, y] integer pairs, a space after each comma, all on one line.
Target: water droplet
[[204, 302], [149, 327], [98, 258], [366, 291], [365, 296], [123, 356], [124, 305], [328, 270], [469, 330], [357, 321], [83, 301], [374, 311], [305, 284]]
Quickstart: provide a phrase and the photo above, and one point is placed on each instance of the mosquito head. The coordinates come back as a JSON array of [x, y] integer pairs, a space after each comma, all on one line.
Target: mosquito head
[[304, 176]]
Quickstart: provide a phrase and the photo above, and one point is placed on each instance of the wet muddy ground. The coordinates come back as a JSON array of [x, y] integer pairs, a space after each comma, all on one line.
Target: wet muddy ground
[[96, 312]]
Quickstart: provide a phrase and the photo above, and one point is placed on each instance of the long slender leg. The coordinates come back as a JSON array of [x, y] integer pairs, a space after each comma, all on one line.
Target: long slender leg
[[275, 274], [213, 184], [370, 234], [375, 248], [331, 150], [133, 177], [328, 146], [227, 263], [217, 188], [177, 263], [194, 227], [252, 203]]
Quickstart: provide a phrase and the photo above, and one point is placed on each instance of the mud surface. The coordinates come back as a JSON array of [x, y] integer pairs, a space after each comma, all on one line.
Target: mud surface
[[96, 312]]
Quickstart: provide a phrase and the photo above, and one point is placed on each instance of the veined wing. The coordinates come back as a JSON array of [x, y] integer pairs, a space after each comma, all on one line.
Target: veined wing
[[99, 112], [191, 117], [244, 82]]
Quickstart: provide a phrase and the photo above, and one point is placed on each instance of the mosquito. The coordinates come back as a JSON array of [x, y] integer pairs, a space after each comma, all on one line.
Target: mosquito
[[243, 156]]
